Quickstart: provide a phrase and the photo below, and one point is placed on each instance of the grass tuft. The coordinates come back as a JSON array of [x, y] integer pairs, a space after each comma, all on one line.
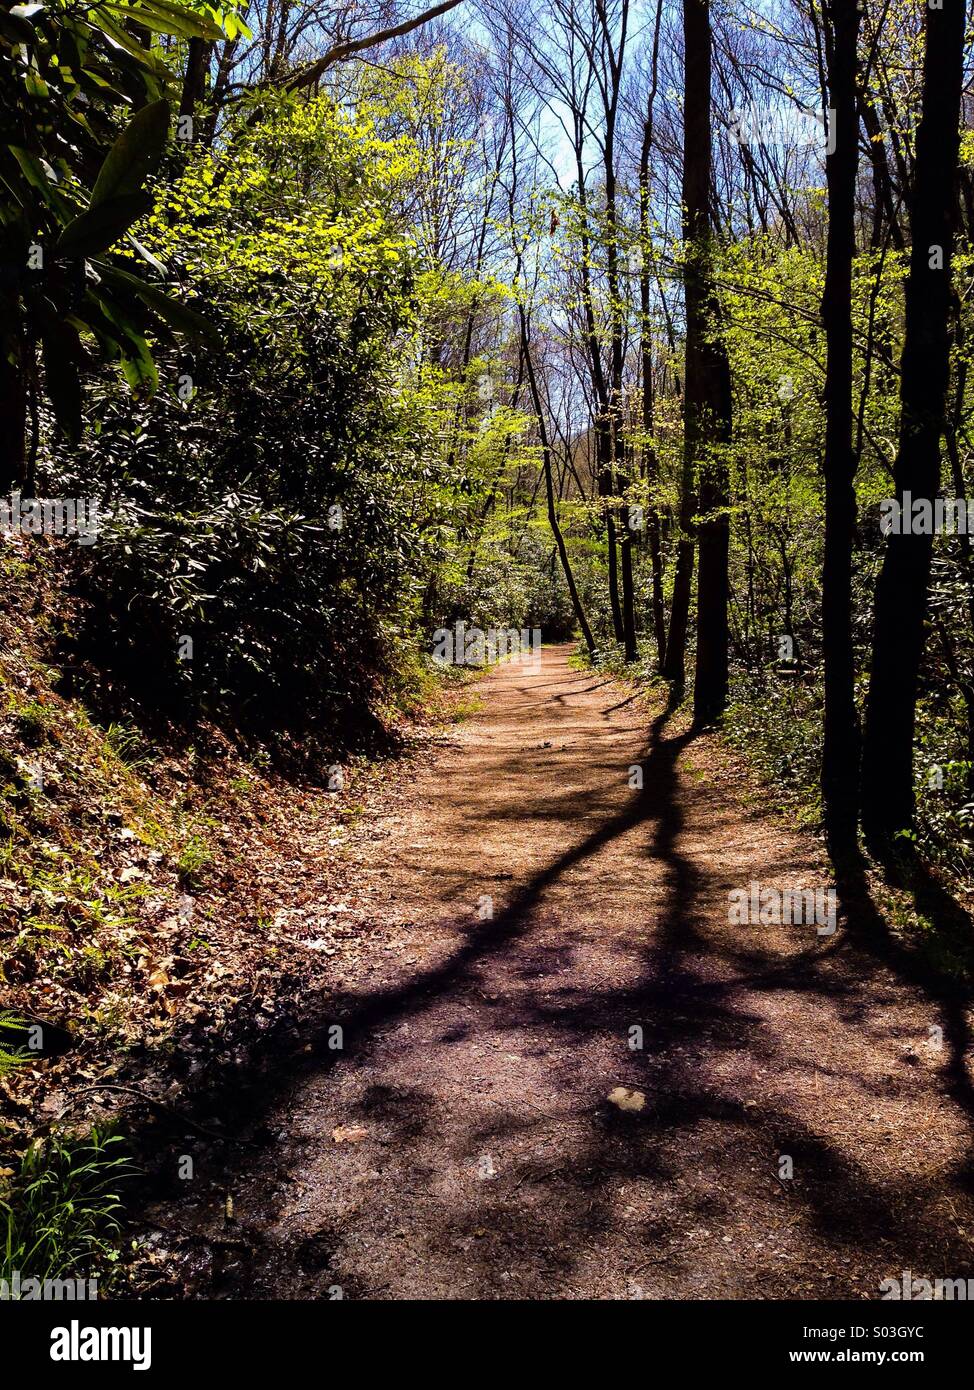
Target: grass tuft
[[59, 1215]]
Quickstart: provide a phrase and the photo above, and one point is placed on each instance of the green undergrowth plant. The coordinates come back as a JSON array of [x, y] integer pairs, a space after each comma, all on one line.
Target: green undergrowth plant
[[10, 1057], [60, 1213]]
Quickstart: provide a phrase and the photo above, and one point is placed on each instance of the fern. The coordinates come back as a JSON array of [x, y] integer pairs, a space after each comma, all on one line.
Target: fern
[[10, 1058]]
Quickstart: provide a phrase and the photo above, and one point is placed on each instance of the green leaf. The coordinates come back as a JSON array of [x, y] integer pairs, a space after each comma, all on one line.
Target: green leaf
[[164, 18], [35, 84], [100, 227], [134, 356], [36, 172], [134, 154], [138, 367], [41, 176], [147, 256], [119, 38], [177, 315]]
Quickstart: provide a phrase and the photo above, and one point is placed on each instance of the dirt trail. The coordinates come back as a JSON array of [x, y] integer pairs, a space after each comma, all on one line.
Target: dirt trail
[[477, 1155]]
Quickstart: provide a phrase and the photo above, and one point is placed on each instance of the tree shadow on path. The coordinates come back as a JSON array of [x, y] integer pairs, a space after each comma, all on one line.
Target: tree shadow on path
[[688, 991]]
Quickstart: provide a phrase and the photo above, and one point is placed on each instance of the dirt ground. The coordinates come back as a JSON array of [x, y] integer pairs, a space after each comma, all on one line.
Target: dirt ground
[[553, 934]]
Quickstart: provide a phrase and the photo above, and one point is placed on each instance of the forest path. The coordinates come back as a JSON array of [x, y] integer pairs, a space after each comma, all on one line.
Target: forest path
[[462, 1144]]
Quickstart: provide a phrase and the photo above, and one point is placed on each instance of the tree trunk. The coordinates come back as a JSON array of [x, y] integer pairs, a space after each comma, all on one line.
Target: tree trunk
[[573, 593], [706, 396], [194, 78], [840, 756], [676, 637], [901, 591], [651, 469], [713, 582], [13, 397], [630, 646], [602, 423], [616, 368], [607, 493], [649, 456]]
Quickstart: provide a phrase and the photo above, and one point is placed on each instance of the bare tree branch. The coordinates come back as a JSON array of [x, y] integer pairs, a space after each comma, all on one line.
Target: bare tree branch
[[346, 50]]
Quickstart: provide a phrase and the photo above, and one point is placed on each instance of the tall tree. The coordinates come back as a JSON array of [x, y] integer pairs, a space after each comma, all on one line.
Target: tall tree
[[649, 455], [578, 607], [612, 31], [901, 592], [840, 758], [707, 391]]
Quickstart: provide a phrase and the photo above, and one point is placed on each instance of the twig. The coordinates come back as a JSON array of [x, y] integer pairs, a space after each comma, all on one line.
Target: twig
[[537, 1177], [159, 1105]]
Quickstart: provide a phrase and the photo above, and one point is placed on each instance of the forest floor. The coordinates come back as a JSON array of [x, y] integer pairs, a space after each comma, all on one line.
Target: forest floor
[[462, 1144]]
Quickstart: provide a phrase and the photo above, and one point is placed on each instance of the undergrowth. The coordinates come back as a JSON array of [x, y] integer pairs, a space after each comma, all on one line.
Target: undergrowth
[[60, 1213]]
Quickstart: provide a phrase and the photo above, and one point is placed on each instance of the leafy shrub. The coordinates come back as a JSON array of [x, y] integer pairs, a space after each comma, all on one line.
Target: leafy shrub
[[777, 722], [270, 510]]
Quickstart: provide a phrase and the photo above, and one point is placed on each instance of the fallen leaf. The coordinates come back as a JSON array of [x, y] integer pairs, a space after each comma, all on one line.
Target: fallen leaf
[[627, 1099], [349, 1134]]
